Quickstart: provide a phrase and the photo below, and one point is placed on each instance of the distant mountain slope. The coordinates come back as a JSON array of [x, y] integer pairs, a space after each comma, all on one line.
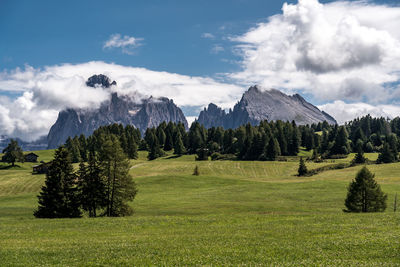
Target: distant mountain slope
[[257, 105], [119, 109]]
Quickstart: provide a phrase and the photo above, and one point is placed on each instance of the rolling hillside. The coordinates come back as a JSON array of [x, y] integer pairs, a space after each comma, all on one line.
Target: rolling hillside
[[235, 212]]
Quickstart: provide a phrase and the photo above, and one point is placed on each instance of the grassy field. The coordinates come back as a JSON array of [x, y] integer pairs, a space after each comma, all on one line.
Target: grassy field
[[234, 213]]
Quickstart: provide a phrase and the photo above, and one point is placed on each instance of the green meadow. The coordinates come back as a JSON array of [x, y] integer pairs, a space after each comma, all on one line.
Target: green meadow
[[234, 213]]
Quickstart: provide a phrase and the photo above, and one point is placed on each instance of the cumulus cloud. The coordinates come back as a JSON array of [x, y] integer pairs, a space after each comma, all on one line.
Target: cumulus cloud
[[44, 92], [126, 43], [340, 50]]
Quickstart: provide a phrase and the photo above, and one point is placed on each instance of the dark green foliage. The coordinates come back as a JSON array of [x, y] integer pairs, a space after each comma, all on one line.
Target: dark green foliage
[[13, 153], [273, 150], [155, 150], [179, 148], [359, 157], [364, 194], [92, 193], [202, 154], [119, 185], [196, 171], [387, 155], [340, 145], [59, 196], [302, 168]]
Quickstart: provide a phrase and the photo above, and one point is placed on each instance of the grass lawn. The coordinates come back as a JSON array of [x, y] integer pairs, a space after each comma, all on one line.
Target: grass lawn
[[234, 213]]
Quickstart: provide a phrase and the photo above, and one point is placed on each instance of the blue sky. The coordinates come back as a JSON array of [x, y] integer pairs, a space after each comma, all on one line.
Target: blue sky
[[42, 33], [343, 56]]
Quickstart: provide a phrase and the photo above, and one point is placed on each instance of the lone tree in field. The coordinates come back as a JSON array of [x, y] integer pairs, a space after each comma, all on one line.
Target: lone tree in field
[[302, 167], [59, 195], [364, 194], [13, 153], [196, 171]]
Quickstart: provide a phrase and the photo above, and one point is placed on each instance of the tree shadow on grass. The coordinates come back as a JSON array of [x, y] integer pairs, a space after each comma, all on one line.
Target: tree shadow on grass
[[7, 167], [173, 157]]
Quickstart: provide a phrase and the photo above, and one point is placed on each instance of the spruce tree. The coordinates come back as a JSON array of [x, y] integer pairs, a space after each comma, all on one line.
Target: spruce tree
[[364, 194], [386, 155], [302, 168], [273, 149], [92, 193], [59, 196], [196, 171], [120, 187], [179, 148], [359, 157], [13, 153]]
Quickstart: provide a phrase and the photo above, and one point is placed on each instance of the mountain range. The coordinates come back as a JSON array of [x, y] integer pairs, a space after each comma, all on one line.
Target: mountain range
[[256, 104]]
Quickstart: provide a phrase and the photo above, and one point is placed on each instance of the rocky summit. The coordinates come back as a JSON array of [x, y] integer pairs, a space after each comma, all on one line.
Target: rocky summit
[[142, 114], [257, 105]]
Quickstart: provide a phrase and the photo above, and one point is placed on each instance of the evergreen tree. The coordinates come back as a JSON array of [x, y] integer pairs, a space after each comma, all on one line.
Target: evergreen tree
[[340, 146], [202, 154], [13, 153], [273, 150], [179, 148], [92, 191], [386, 155], [119, 184], [59, 196], [155, 149], [359, 157], [302, 168], [196, 171], [364, 194]]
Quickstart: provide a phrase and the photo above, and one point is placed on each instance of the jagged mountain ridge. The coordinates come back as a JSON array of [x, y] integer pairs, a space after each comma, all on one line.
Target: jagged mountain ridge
[[257, 105], [119, 109]]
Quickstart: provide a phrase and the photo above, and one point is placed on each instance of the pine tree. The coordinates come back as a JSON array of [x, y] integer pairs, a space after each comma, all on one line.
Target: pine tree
[[359, 157], [59, 196], [386, 155], [179, 148], [13, 153], [302, 168], [340, 146], [120, 187], [92, 192], [273, 150], [364, 194]]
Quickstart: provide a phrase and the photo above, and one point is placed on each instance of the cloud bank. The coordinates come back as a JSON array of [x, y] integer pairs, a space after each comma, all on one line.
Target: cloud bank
[[47, 91], [341, 50]]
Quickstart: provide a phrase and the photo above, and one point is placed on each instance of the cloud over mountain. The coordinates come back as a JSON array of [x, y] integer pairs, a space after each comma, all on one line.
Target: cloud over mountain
[[47, 91]]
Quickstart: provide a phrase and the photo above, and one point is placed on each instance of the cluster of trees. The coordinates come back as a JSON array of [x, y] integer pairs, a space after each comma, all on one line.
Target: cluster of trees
[[80, 147], [101, 186], [12, 153], [266, 141]]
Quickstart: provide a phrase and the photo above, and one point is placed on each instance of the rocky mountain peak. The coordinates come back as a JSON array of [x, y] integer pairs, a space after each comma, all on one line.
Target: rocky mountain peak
[[257, 104], [100, 80]]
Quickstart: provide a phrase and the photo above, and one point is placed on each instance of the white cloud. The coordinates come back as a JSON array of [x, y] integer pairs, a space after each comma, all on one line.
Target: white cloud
[[126, 43], [47, 91], [208, 35], [344, 112], [217, 48], [340, 50]]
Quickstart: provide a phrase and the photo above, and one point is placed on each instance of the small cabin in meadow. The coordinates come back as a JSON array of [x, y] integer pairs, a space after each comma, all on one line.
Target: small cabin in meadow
[[41, 168], [31, 157]]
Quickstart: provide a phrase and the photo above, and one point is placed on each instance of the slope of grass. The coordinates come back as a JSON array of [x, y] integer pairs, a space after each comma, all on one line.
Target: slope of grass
[[234, 213]]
